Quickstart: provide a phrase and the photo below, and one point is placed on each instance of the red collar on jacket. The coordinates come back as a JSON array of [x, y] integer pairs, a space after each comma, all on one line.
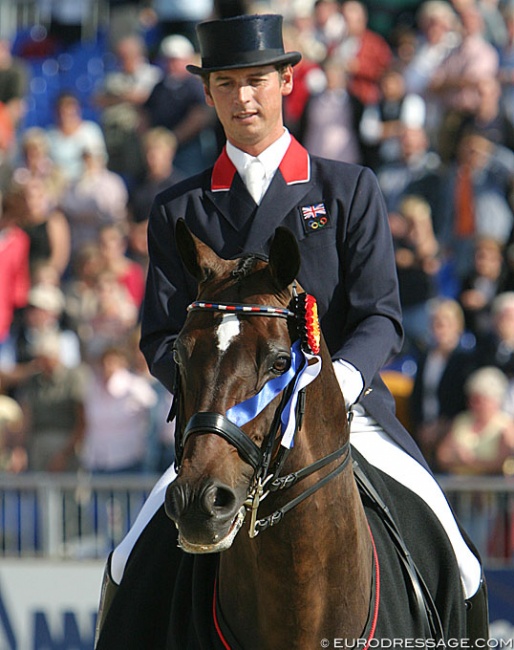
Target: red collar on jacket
[[295, 168]]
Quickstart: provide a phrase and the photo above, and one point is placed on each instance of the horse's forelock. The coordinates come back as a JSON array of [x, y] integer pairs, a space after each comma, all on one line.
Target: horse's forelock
[[246, 265]]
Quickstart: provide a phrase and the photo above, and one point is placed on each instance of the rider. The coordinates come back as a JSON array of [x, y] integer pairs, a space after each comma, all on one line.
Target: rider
[[338, 215]]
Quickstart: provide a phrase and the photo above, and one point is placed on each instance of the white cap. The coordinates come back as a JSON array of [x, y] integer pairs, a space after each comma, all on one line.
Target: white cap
[[47, 297], [177, 47]]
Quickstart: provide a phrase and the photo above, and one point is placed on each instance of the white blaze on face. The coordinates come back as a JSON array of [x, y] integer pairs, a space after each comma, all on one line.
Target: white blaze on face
[[227, 331]]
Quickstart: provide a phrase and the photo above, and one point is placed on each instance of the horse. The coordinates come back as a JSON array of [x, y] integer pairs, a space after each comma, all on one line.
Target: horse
[[287, 537], [298, 559]]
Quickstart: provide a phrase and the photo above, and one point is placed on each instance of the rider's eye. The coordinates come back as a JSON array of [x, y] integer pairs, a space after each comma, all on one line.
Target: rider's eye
[[281, 365]]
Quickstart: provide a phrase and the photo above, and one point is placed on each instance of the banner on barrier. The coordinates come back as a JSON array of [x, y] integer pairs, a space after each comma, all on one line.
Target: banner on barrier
[[47, 605]]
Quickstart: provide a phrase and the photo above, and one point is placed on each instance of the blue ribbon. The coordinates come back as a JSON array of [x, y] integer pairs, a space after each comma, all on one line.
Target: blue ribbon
[[244, 412]]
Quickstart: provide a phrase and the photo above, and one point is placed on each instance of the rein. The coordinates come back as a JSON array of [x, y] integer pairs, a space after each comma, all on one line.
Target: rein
[[266, 469]]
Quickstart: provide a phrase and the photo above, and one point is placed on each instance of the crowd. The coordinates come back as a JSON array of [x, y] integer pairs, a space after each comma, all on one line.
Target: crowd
[[426, 102]]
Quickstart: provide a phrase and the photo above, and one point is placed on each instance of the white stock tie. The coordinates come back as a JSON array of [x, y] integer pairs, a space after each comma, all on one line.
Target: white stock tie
[[254, 177]]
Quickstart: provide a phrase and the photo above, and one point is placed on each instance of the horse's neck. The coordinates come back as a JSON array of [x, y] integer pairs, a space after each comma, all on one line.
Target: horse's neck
[[309, 577]]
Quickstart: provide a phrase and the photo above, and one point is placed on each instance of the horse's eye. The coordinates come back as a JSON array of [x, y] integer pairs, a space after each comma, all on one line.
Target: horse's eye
[[176, 358], [281, 365]]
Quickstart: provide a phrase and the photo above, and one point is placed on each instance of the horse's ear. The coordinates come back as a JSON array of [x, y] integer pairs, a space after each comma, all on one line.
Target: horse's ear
[[197, 257], [284, 257]]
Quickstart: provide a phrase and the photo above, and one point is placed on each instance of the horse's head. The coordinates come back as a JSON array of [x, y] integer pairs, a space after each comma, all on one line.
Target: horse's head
[[236, 364]]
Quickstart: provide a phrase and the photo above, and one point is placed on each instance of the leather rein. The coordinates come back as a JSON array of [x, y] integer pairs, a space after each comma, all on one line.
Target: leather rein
[[266, 462]]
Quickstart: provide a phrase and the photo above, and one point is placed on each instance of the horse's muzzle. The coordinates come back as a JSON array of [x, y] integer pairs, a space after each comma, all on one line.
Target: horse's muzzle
[[207, 519]]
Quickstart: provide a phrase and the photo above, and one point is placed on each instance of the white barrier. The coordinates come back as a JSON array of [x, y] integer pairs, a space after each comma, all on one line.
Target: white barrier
[[48, 604]]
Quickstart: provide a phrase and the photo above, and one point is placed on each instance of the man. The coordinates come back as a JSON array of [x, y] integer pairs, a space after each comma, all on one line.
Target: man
[[177, 103], [337, 214]]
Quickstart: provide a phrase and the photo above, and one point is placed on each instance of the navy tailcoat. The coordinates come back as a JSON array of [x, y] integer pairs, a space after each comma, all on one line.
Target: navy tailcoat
[[337, 212]]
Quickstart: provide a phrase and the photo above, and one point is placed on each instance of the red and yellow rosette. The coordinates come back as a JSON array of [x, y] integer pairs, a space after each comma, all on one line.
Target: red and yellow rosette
[[308, 323]]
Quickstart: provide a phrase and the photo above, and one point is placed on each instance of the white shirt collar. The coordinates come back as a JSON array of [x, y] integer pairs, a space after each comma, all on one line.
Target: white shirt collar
[[270, 157]]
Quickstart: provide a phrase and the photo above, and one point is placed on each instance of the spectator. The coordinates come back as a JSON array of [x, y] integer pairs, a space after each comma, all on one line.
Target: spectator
[[47, 228], [437, 22], [497, 348], [13, 455], [481, 438], [482, 285], [481, 441], [365, 54], [113, 246], [308, 76], [43, 316], [125, 17], [480, 182], [329, 26], [506, 71], [52, 403], [328, 122], [177, 103], [418, 262], [124, 92], [14, 269], [66, 19], [36, 163], [382, 124], [160, 442], [14, 75], [455, 81], [14, 78], [490, 118], [438, 25], [437, 395], [98, 197], [117, 408], [113, 318], [306, 39], [80, 289], [71, 135], [418, 172], [159, 145]]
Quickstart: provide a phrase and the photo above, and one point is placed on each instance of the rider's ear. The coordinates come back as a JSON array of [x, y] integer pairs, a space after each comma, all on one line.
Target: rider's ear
[[284, 257]]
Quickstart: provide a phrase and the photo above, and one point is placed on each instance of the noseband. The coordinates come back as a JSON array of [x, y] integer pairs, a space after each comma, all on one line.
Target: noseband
[[267, 462]]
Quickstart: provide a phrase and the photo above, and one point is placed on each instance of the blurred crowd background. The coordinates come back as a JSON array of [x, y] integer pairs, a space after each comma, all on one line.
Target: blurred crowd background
[[94, 122]]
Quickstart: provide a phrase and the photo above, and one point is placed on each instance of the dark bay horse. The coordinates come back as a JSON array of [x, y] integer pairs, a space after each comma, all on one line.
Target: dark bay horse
[[311, 572], [289, 538]]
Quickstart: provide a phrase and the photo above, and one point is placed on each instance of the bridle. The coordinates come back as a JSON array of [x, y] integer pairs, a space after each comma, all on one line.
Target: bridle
[[266, 462]]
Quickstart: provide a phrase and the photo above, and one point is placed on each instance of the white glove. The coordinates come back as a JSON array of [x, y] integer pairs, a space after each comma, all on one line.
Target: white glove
[[350, 381]]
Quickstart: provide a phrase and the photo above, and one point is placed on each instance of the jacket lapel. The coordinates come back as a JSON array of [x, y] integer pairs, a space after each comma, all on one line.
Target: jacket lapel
[[290, 184], [236, 206]]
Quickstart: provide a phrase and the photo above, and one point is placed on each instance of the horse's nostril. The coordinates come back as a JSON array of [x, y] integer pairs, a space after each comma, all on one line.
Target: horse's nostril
[[218, 500], [175, 502]]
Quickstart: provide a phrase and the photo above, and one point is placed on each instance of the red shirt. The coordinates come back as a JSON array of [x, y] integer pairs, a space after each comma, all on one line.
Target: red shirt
[[134, 280], [14, 275], [374, 57]]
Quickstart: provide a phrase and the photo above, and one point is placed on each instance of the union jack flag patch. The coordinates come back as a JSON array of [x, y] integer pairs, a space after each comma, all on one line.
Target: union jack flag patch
[[315, 217]]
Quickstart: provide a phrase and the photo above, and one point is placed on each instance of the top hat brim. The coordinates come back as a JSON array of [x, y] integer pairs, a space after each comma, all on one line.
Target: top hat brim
[[289, 58]]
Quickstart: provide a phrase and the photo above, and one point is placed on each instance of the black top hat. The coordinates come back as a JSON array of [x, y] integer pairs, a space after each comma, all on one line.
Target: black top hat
[[242, 42]]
